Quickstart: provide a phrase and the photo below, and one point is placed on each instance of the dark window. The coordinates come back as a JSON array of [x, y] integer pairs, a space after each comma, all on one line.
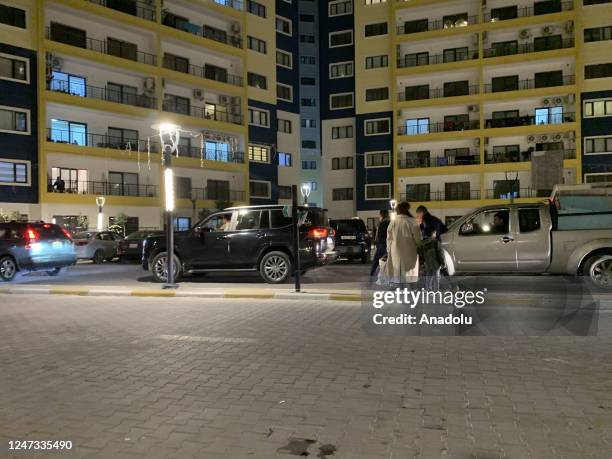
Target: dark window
[[505, 187], [253, 219], [372, 62], [377, 126], [457, 191], [256, 44], [306, 17], [123, 183], [307, 39], [121, 93], [374, 94], [505, 48], [341, 38], [277, 218], [598, 71], [257, 81], [12, 16], [309, 164], [456, 54], [547, 79], [382, 191], [415, 159], [284, 192], [218, 189], [256, 8], [345, 162], [176, 104], [417, 92], [122, 49], [309, 144], [182, 187], [506, 153], [456, 88], [418, 25], [598, 34], [69, 35], [456, 122], [178, 63], [259, 189], [120, 138], [505, 83], [377, 159], [504, 13], [596, 2], [342, 194], [308, 81], [214, 72], [418, 192], [379, 28], [547, 43], [416, 59], [284, 126], [529, 220], [546, 7], [15, 69]]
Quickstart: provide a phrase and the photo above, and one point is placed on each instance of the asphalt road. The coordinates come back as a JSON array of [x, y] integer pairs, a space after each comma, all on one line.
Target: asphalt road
[[181, 378]]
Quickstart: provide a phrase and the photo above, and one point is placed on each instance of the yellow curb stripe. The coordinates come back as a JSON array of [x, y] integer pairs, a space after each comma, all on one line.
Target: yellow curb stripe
[[5, 290], [68, 291], [155, 293], [345, 297]]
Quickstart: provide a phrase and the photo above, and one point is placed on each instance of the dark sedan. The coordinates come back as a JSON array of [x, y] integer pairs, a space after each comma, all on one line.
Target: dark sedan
[[130, 247]]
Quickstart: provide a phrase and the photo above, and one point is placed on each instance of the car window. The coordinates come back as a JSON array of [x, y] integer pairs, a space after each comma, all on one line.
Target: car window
[[249, 219], [355, 226], [529, 220], [278, 219], [106, 236], [5, 232], [219, 222], [83, 235], [493, 221]]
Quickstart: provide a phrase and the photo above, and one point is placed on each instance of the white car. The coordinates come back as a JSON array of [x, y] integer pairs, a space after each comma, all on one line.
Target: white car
[[96, 245]]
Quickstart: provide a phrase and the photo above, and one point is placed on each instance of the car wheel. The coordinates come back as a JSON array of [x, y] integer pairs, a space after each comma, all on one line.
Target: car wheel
[[8, 269], [54, 271], [599, 269], [159, 267], [98, 257], [275, 267]]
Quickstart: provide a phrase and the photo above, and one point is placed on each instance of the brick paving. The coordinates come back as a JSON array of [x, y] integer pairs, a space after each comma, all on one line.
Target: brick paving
[[182, 378]]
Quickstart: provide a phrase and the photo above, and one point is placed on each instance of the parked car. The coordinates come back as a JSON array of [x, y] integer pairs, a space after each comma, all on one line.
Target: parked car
[[353, 240], [34, 247], [130, 247], [96, 245], [250, 238]]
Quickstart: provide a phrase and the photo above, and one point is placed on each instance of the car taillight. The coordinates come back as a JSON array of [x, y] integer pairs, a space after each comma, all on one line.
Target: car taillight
[[318, 232], [31, 235], [67, 233], [332, 232]]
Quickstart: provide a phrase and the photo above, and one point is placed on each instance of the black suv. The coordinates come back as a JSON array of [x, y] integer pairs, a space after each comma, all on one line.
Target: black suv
[[352, 239], [34, 247], [250, 238]]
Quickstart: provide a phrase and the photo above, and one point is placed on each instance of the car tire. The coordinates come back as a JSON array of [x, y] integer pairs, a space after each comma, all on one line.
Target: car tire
[[54, 272], [275, 267], [98, 257], [8, 268], [598, 268], [159, 270]]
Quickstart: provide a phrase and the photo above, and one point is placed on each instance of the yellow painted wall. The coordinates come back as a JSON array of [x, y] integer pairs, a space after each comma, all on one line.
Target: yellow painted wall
[[263, 64]]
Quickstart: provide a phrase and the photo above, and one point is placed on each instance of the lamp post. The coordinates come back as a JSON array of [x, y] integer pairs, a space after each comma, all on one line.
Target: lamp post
[[393, 204], [305, 190], [100, 201]]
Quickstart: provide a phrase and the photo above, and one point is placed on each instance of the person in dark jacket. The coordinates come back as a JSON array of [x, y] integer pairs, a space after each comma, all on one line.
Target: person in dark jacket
[[431, 230], [431, 226], [381, 240]]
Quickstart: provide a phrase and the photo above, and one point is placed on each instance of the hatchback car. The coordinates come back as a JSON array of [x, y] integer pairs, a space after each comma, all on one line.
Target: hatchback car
[[352, 239], [96, 245], [34, 247]]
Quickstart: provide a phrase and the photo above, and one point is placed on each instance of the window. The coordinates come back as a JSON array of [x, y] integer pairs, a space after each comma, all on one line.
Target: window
[[374, 94], [283, 25], [372, 30], [342, 194], [308, 81], [529, 220], [598, 178], [374, 2], [340, 101], [374, 62], [259, 153], [178, 63], [598, 145], [415, 126], [309, 144], [284, 126], [456, 88], [344, 162], [14, 172], [308, 60], [494, 221], [595, 108], [284, 92], [284, 59], [256, 44], [69, 35], [505, 83], [418, 92], [122, 94], [598, 34], [12, 16], [378, 191], [416, 59], [182, 187], [419, 192], [68, 83], [546, 7], [598, 71], [123, 49], [596, 2], [416, 26], [308, 123], [377, 159], [343, 38], [307, 38], [455, 54], [306, 17], [278, 220], [180, 223], [548, 79], [256, 8], [285, 159], [14, 120], [503, 48], [258, 189], [176, 104], [504, 13], [341, 69], [505, 188], [73, 133], [506, 153], [123, 183], [340, 8], [312, 185], [457, 191], [549, 115], [308, 102], [76, 180], [14, 68], [259, 117], [342, 132], [547, 43], [218, 189], [455, 20], [309, 164], [378, 126], [257, 81]]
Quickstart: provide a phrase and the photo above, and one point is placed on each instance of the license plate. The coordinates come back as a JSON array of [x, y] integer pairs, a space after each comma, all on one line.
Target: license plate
[[348, 237], [133, 246]]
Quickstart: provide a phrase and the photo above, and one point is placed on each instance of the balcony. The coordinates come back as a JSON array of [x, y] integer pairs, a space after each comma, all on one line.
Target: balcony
[[516, 193], [424, 93], [132, 7], [539, 8], [218, 195], [209, 72], [235, 4], [421, 161], [530, 120], [109, 95], [105, 188], [211, 154], [521, 156], [208, 113], [205, 31], [89, 139], [525, 48], [521, 85], [409, 61], [424, 25], [430, 196], [431, 128], [109, 47]]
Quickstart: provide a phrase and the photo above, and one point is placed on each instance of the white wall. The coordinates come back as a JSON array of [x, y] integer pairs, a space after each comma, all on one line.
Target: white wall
[[435, 12], [148, 216]]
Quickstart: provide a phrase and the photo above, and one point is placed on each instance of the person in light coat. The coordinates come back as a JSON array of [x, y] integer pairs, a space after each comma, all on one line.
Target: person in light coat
[[403, 240]]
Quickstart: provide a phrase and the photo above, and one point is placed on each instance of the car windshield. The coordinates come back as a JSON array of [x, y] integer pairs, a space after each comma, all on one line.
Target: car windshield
[[48, 231], [355, 226], [312, 217], [83, 235]]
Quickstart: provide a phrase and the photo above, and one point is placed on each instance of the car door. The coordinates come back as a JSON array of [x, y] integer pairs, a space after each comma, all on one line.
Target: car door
[[251, 235], [486, 243], [533, 244], [108, 244], [208, 242]]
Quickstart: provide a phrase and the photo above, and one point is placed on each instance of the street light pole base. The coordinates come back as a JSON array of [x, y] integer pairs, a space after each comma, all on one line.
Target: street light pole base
[[169, 286]]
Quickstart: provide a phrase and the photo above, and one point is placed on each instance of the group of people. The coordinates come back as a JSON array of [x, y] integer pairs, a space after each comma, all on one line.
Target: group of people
[[405, 245]]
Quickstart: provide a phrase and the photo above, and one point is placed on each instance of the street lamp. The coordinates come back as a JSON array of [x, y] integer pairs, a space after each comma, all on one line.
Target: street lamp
[[100, 200], [393, 205], [305, 190]]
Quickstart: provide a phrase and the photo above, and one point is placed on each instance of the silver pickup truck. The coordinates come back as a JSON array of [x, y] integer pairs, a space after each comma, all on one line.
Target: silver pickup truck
[[525, 238]]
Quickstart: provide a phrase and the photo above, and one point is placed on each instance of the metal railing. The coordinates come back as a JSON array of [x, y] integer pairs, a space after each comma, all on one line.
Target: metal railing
[[109, 95], [438, 24], [530, 120], [90, 139], [208, 32], [446, 126], [204, 72], [566, 80], [525, 48], [526, 11], [516, 193], [438, 161], [215, 195], [416, 61], [210, 154], [438, 93], [131, 7], [522, 156], [215, 114], [440, 196], [100, 46], [103, 188]]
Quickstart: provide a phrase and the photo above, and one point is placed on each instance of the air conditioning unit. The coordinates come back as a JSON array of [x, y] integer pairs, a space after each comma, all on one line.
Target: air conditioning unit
[[558, 100], [531, 138], [557, 137], [149, 84], [569, 27], [525, 34], [472, 108], [548, 30], [56, 62], [546, 101], [543, 138], [236, 101], [235, 27], [198, 94]]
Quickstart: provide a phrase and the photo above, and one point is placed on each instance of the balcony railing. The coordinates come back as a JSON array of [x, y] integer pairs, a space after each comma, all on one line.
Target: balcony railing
[[522, 156], [205, 31], [516, 193], [530, 120], [204, 72], [209, 154], [104, 188], [89, 139], [101, 46], [526, 11], [525, 48], [439, 161], [438, 93], [109, 95], [438, 24], [566, 80], [131, 7], [441, 196], [416, 61], [215, 195], [446, 126], [235, 4], [215, 114]]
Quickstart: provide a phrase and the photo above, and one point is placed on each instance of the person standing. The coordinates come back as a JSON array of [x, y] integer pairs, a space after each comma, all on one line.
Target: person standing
[[381, 240], [431, 226]]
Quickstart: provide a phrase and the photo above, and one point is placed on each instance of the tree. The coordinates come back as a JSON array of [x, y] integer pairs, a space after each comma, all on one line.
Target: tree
[[120, 221]]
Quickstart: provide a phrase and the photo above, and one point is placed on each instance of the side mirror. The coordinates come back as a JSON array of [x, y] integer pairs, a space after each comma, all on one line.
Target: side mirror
[[467, 228]]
